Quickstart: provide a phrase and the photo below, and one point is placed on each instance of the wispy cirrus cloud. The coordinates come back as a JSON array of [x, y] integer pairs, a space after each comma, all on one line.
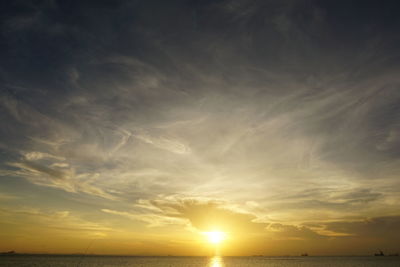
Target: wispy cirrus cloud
[[279, 109]]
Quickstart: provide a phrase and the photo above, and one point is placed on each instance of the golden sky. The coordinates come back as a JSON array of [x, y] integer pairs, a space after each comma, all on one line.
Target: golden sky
[[135, 127]]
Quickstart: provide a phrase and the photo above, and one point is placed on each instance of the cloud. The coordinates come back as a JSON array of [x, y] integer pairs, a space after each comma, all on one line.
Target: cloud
[[200, 215], [6, 197], [58, 221], [330, 199], [292, 232], [39, 169], [152, 220], [207, 215], [171, 145], [383, 228], [64, 179], [35, 155]]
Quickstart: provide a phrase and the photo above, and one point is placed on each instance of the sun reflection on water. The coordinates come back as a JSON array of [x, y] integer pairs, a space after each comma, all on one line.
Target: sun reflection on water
[[216, 261]]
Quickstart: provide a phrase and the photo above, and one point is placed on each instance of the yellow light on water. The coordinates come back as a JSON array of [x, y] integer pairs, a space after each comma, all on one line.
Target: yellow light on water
[[216, 261]]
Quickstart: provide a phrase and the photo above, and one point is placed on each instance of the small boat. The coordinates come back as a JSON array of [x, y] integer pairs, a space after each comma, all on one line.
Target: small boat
[[380, 253], [304, 255]]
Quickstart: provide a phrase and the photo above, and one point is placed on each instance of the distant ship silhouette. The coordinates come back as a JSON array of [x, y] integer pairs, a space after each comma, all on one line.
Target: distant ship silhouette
[[380, 253], [304, 254], [7, 252]]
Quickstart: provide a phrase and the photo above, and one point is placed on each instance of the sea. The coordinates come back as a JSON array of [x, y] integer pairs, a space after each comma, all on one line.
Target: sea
[[171, 261]]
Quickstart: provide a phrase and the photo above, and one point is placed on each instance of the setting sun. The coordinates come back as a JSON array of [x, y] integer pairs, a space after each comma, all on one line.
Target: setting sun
[[215, 237]]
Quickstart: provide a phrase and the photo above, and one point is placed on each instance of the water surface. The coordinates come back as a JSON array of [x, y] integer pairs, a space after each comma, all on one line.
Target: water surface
[[125, 261]]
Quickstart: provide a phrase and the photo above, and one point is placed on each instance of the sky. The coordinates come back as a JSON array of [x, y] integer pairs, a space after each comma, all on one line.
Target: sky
[[133, 127]]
